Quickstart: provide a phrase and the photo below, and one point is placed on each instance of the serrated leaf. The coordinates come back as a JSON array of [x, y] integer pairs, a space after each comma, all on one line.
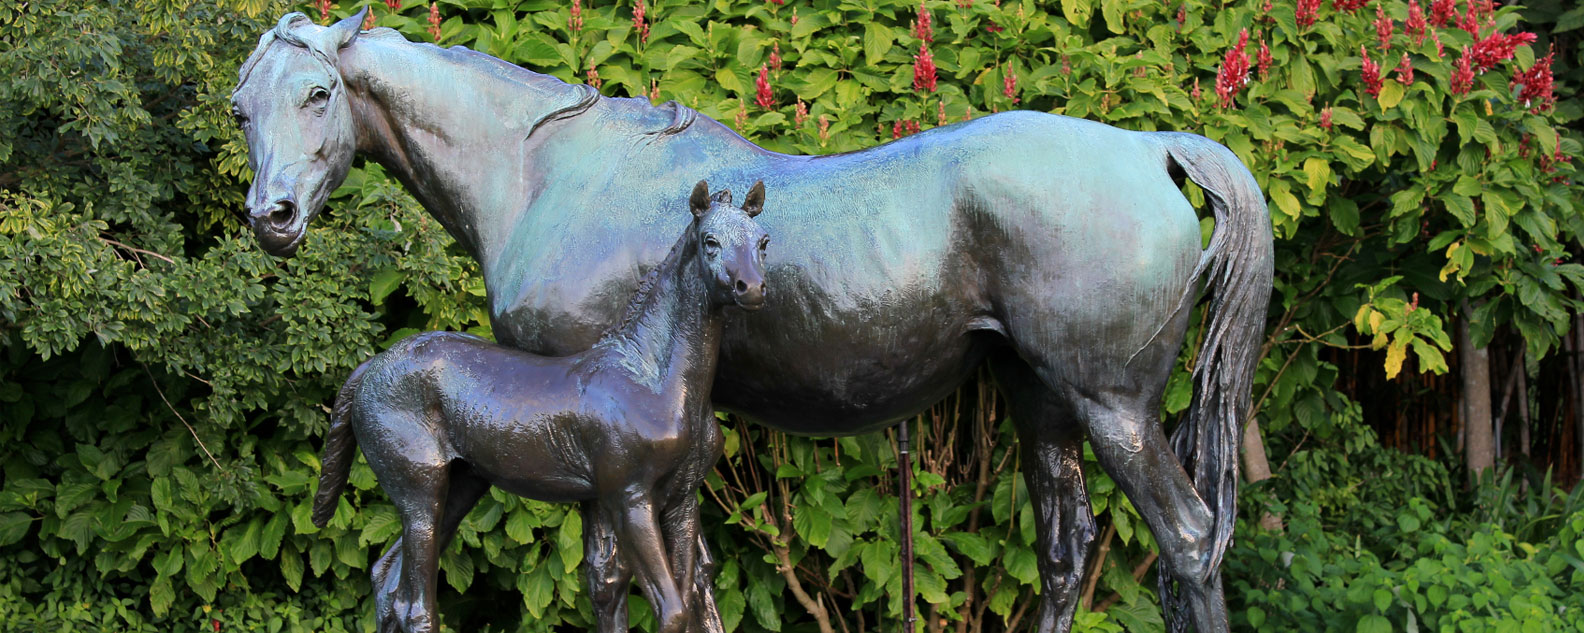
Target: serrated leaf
[[877, 41]]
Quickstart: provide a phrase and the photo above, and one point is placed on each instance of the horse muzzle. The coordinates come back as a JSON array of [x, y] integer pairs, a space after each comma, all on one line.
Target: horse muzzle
[[277, 226], [749, 296]]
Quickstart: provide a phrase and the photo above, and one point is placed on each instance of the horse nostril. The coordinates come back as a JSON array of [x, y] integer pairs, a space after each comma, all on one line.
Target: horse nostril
[[283, 213], [741, 287]]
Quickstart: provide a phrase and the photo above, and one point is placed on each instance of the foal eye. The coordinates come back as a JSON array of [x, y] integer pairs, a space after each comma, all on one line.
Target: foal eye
[[711, 246]]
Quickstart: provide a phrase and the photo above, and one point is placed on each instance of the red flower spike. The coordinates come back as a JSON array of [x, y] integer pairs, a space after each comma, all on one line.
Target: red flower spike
[[1496, 49], [1435, 36], [1348, 6], [1383, 26], [1325, 118], [742, 116], [800, 113], [896, 130], [1305, 13], [1182, 15], [794, 16], [922, 27], [778, 2], [1405, 70], [940, 113], [1194, 94], [924, 70], [1415, 26], [1462, 74], [1263, 59], [394, 5], [824, 128], [775, 57], [1371, 73], [1066, 66], [434, 21], [368, 23], [594, 78], [992, 27], [640, 24], [1443, 12], [1234, 72], [762, 93], [575, 20], [1471, 20], [1538, 83], [1009, 85]]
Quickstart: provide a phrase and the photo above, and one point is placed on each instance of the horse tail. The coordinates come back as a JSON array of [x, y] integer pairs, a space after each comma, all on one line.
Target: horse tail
[[339, 444], [1239, 264]]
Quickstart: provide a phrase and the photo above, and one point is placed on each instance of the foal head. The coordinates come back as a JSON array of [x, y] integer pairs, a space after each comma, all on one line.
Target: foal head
[[731, 245]]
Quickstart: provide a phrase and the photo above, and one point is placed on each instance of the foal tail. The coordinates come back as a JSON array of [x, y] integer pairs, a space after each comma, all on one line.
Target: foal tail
[[339, 445], [1239, 263]]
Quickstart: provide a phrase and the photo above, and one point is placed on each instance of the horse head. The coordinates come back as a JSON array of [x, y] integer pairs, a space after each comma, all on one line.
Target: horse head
[[731, 245], [292, 105]]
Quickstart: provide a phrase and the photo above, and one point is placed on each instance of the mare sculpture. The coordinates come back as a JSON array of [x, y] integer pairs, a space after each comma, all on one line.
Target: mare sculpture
[[1060, 251], [626, 427]]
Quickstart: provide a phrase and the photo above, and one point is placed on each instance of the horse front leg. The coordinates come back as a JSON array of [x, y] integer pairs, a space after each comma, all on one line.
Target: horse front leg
[[643, 545], [706, 617], [605, 570]]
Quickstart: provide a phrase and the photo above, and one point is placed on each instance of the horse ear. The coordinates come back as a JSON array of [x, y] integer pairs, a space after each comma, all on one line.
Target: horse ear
[[341, 33], [699, 202], [754, 203]]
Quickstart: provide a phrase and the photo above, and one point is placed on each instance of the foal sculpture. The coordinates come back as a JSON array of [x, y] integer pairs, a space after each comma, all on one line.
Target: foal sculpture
[[1060, 251], [626, 427]]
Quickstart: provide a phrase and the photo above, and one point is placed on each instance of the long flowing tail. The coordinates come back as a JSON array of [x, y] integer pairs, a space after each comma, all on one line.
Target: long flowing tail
[[339, 445], [1239, 266]]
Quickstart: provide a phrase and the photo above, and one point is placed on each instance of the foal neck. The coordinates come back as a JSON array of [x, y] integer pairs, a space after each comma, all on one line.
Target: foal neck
[[670, 338]]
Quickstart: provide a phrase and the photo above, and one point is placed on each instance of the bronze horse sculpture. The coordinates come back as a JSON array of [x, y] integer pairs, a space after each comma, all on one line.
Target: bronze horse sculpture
[[626, 428], [1060, 251]]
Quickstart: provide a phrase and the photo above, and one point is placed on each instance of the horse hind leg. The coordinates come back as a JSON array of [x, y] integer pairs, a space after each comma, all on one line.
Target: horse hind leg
[[465, 490], [607, 573], [1052, 445]]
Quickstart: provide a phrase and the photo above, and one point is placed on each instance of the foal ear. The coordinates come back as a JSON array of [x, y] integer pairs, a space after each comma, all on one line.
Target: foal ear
[[338, 35], [754, 203], [699, 202]]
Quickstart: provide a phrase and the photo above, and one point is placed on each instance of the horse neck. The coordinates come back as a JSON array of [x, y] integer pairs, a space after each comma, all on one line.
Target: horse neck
[[675, 335], [450, 125]]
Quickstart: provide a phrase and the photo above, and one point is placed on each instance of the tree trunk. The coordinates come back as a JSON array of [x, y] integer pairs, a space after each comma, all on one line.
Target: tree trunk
[[1475, 366], [1256, 467]]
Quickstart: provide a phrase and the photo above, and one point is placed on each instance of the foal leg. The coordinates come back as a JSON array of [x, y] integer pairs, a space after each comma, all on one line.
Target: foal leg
[[683, 539], [465, 491], [638, 529], [608, 575], [1052, 462]]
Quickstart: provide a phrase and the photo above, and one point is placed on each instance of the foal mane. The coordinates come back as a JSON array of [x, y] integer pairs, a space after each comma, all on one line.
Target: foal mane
[[646, 286]]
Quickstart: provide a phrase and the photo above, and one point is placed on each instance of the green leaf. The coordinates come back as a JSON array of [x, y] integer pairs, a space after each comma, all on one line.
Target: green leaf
[[1460, 207], [1391, 94], [519, 526], [877, 41], [383, 283], [1374, 624], [13, 526], [1282, 195], [537, 588], [569, 541], [1078, 11]]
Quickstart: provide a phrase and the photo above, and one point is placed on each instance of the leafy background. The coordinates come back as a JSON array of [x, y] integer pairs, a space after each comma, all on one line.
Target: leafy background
[[164, 384]]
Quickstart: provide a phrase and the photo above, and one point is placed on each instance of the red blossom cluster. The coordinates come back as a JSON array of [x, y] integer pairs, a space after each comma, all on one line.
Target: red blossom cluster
[[1383, 27], [1497, 48], [824, 128], [640, 24], [1371, 73], [922, 25], [324, 11], [741, 119], [1195, 93], [394, 5], [1066, 65], [434, 21], [1435, 36], [762, 93], [368, 20], [1415, 26], [900, 129], [575, 20], [1182, 15], [940, 113], [778, 2], [594, 78], [1008, 85], [1462, 74], [924, 69], [1305, 13], [992, 27], [1537, 84], [1325, 118], [1348, 5], [794, 18], [1234, 72], [775, 57], [1405, 70], [1443, 12], [1263, 60], [800, 113]]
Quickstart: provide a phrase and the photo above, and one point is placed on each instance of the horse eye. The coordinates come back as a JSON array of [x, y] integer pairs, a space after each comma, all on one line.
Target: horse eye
[[710, 244], [318, 97]]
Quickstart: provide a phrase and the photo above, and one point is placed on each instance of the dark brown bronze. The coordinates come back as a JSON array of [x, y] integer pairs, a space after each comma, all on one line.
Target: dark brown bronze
[[1059, 250], [626, 428]]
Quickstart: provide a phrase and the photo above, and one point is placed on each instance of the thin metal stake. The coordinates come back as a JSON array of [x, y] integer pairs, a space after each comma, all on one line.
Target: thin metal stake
[[905, 492]]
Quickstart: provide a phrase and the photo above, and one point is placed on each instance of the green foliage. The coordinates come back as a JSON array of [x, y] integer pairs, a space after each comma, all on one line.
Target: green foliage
[[163, 384]]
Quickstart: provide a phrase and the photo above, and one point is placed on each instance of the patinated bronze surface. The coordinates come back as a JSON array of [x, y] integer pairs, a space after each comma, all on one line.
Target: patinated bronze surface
[[626, 428], [1060, 250]]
